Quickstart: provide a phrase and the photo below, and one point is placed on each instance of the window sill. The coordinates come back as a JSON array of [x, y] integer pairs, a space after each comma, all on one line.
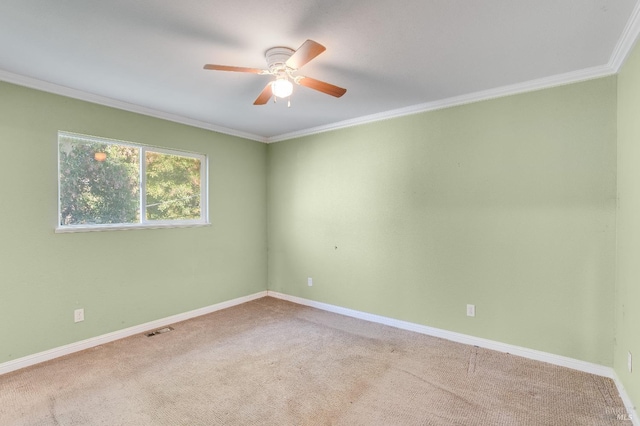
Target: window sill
[[121, 227]]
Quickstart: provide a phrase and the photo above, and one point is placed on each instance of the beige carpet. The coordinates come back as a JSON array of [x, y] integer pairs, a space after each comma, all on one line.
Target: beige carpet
[[270, 362]]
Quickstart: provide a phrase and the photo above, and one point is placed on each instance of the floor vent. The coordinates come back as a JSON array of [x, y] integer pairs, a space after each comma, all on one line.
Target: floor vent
[[159, 331]]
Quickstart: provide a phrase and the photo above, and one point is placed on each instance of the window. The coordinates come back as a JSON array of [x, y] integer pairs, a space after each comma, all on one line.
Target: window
[[108, 184]]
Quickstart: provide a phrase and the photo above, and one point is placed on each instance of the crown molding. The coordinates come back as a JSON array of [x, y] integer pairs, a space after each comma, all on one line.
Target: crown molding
[[627, 40], [498, 92], [57, 89], [529, 86], [623, 48], [621, 51]]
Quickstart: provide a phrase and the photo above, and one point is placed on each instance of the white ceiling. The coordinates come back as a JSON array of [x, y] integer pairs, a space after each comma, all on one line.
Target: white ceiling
[[394, 57]]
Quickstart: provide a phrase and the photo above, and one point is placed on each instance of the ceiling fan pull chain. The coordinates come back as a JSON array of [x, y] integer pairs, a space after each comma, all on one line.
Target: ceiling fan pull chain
[[289, 102]]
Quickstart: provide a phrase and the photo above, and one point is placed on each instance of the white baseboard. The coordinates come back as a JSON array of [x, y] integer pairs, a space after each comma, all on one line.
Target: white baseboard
[[576, 364], [120, 334], [588, 367], [631, 409]]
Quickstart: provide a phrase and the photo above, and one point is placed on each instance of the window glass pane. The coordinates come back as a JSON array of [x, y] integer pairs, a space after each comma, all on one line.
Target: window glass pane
[[109, 184], [172, 187], [99, 182]]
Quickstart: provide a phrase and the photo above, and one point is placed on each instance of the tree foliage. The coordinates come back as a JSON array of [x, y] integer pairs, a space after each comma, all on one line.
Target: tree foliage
[[173, 187], [108, 191], [98, 192]]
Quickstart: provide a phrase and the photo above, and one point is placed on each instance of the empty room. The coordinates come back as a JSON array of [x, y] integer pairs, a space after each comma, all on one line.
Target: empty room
[[322, 213]]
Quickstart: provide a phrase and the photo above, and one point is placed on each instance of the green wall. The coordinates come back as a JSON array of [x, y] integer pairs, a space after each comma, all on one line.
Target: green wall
[[627, 317], [508, 204], [120, 278]]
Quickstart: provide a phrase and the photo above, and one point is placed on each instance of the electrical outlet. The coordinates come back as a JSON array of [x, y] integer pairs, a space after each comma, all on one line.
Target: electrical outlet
[[309, 281], [78, 315], [630, 362], [471, 310]]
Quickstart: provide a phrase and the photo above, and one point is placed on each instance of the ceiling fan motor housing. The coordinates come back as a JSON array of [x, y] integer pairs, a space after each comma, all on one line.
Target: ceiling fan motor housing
[[277, 58]]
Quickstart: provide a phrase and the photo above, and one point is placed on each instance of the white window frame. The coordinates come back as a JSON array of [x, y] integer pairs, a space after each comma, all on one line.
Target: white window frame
[[143, 223]]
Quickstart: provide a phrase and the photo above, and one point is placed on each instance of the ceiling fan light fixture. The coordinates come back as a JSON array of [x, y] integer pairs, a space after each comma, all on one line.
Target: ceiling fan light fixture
[[282, 88]]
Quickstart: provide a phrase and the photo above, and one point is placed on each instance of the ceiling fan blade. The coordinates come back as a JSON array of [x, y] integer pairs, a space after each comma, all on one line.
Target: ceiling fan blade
[[229, 68], [321, 86], [309, 50], [264, 96]]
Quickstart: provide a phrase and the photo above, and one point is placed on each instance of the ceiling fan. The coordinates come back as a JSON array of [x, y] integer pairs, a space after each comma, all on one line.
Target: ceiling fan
[[282, 63]]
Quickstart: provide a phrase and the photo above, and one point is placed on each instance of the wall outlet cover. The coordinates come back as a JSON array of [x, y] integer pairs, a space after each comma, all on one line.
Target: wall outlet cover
[[471, 310], [78, 315]]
